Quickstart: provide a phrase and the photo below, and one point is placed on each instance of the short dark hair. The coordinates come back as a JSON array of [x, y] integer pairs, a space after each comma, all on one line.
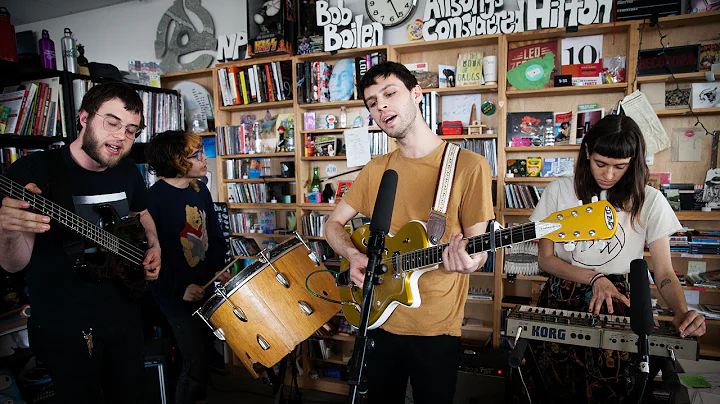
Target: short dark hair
[[384, 70], [616, 137], [101, 93], [167, 153]]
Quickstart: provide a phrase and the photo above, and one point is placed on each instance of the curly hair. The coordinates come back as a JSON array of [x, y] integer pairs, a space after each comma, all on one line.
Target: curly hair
[[167, 153]]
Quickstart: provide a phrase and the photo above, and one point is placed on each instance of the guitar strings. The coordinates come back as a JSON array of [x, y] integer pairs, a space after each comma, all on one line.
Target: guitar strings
[[521, 233], [96, 234]]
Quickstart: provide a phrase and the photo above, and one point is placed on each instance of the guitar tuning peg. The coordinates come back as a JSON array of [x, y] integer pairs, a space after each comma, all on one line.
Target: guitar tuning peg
[[569, 246], [583, 246], [601, 244], [594, 199], [580, 202]]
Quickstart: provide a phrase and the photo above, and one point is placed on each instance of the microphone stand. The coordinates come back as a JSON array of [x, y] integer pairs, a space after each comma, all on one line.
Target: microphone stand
[[644, 367], [357, 380]]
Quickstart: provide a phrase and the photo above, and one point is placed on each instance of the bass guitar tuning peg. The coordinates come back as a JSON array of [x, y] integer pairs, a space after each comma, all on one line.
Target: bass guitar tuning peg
[[584, 246], [594, 199], [601, 244], [569, 246]]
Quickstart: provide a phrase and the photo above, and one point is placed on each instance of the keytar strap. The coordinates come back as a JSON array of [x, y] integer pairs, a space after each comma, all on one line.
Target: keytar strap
[[438, 213]]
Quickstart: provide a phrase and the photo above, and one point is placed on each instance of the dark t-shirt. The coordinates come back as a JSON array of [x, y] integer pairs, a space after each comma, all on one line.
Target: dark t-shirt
[[57, 293], [192, 242]]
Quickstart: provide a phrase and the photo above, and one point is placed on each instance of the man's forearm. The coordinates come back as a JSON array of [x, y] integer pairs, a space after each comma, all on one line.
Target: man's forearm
[[339, 239], [15, 250], [150, 230]]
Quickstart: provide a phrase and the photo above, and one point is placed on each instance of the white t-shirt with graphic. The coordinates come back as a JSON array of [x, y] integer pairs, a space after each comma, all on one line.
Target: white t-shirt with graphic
[[657, 219]]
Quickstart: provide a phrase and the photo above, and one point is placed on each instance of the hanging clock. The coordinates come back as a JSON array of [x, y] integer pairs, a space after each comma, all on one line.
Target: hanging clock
[[390, 13]]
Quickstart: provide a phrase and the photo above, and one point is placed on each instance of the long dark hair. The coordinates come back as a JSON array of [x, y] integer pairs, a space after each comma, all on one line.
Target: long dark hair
[[616, 137]]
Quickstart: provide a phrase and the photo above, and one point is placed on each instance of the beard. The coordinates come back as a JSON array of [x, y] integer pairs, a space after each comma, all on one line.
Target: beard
[[94, 148]]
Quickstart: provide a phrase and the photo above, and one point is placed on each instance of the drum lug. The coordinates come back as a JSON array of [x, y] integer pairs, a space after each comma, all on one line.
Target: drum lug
[[305, 307], [314, 258], [263, 342], [219, 333], [239, 313], [282, 279]]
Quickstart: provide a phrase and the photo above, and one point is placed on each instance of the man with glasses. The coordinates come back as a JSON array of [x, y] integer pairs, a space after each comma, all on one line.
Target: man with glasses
[[87, 333], [193, 250]]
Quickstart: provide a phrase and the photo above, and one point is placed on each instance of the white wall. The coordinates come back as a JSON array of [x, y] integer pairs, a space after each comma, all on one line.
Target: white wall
[[127, 31]]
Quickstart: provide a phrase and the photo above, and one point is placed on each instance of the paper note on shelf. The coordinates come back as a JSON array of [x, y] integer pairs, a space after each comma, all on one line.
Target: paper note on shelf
[[357, 146], [459, 107], [637, 107]]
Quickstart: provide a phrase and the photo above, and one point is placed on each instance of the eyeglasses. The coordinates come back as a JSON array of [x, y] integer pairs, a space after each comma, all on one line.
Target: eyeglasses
[[112, 124], [198, 155]]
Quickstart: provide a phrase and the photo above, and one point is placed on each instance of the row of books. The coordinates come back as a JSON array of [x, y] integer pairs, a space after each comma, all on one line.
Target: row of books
[[695, 242], [322, 250], [247, 193], [378, 143], [250, 168], [313, 224], [258, 83], [34, 108], [161, 111], [521, 196], [485, 147], [244, 246], [431, 111], [237, 139], [243, 222], [313, 78], [9, 155]]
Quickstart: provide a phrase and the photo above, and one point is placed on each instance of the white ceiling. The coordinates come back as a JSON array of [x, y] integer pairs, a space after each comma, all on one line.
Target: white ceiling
[[27, 11]]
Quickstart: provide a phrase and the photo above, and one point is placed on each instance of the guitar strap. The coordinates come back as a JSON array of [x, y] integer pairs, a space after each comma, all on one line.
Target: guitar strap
[[60, 191], [438, 212]]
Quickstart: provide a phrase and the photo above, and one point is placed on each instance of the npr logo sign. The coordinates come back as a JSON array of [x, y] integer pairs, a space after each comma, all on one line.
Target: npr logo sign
[[548, 332]]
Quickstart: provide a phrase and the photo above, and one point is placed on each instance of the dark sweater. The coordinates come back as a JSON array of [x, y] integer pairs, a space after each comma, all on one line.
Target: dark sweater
[[192, 243]]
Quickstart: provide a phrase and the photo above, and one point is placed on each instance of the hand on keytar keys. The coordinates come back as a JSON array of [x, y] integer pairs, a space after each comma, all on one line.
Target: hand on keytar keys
[[605, 291]]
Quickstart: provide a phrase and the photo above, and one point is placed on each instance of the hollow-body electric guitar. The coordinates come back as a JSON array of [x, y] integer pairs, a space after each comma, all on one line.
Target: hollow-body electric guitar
[[122, 242], [408, 254]]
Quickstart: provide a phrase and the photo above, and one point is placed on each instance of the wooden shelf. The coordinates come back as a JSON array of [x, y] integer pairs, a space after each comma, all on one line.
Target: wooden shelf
[[317, 206], [462, 137], [483, 88], [260, 105], [341, 54], [689, 256], [686, 112], [258, 155], [574, 90], [705, 290], [531, 179], [528, 278], [262, 235], [444, 45], [660, 78], [334, 104], [260, 180], [488, 274], [188, 74], [313, 238], [572, 147], [516, 212], [481, 328], [206, 134], [698, 215], [323, 158], [710, 351], [336, 130], [336, 359], [285, 206], [686, 20], [479, 301]]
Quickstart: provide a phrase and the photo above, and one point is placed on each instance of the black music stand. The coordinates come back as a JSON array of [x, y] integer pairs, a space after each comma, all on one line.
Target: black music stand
[[278, 381]]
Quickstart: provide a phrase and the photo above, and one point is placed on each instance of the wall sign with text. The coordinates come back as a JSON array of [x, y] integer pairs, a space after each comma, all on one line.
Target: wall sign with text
[[342, 31]]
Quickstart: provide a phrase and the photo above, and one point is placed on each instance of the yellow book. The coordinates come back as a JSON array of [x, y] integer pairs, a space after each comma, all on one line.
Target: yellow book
[[534, 166], [243, 88]]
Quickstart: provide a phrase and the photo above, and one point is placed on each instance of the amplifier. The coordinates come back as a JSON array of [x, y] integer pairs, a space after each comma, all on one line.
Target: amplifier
[[481, 378]]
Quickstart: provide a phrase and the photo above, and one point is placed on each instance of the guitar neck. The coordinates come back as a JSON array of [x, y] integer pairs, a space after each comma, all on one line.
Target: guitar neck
[[476, 245], [72, 222]]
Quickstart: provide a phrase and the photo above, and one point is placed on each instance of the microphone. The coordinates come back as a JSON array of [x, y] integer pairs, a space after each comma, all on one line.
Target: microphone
[[641, 320], [382, 214]]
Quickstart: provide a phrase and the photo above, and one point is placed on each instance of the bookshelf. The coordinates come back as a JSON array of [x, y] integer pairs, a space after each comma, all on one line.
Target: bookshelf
[[619, 39]]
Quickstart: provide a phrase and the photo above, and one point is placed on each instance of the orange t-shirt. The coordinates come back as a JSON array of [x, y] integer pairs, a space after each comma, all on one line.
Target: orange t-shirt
[[443, 293]]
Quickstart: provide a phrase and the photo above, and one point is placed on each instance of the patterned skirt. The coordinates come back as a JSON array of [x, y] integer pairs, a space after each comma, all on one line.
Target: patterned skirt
[[576, 374]]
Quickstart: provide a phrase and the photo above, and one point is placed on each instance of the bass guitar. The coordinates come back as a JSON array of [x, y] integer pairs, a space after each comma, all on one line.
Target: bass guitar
[[408, 254], [121, 241]]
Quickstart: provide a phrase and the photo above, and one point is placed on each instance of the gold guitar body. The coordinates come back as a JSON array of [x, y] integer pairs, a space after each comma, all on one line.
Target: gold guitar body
[[396, 287]]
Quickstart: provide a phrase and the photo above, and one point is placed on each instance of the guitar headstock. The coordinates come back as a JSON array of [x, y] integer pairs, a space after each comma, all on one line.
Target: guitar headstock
[[592, 221]]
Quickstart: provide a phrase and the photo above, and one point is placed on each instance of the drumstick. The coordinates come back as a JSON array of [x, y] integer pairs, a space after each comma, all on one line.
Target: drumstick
[[220, 273]]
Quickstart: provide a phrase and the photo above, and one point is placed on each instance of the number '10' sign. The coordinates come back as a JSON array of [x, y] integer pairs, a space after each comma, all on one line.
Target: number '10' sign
[[580, 50]]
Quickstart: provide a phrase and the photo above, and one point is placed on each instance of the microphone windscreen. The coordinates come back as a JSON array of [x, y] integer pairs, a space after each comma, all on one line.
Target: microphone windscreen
[[382, 214], [641, 318]]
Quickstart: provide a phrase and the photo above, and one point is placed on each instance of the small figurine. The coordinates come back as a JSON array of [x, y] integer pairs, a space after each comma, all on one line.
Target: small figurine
[[327, 193], [82, 60], [282, 143]]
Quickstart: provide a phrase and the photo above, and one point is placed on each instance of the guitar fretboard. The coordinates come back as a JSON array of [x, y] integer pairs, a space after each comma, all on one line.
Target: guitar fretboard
[[477, 244], [73, 222]]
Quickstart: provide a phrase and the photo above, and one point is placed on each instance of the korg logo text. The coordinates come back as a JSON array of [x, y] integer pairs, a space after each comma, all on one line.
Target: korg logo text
[[548, 332]]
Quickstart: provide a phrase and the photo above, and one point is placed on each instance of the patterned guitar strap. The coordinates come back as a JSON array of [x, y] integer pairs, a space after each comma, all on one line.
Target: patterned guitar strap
[[438, 212]]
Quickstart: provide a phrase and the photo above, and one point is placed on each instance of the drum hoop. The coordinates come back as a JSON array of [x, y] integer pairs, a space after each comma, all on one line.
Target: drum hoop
[[286, 247]]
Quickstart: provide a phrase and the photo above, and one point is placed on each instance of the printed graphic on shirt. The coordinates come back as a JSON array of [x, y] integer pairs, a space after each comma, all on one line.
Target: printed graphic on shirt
[[87, 208], [194, 237], [595, 256]]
